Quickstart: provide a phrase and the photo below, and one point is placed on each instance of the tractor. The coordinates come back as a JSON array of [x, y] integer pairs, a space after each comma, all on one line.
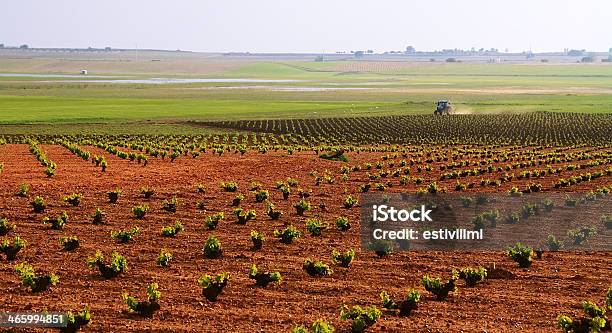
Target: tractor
[[443, 107]]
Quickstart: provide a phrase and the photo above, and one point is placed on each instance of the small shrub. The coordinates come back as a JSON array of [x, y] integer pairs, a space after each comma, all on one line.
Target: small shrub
[[581, 235], [23, 190], [350, 202], [548, 205], [144, 308], [73, 199], [212, 287], [343, 259], [439, 289], [319, 326], [37, 283], [75, 322], [285, 190], [69, 243], [472, 276], [244, 216], [229, 186], [288, 235], [315, 226], [513, 218], [38, 204], [200, 188], [521, 254], [316, 268], [140, 211], [57, 223], [237, 200], [264, 278], [257, 238], [117, 265], [342, 223], [11, 250], [302, 206], [113, 195], [98, 216], [607, 221], [212, 221], [570, 202], [362, 318], [164, 258], [212, 248], [381, 247], [5, 226], [553, 243], [147, 192], [172, 230], [466, 201], [170, 206], [124, 236], [261, 195], [405, 306], [272, 212]]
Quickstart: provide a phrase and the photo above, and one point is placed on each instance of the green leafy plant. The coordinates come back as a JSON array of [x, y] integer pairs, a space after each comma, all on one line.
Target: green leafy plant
[[140, 211], [381, 247], [315, 226], [607, 221], [5, 226], [229, 186], [581, 235], [172, 230], [521, 254], [144, 308], [124, 236], [212, 248], [237, 200], [244, 216], [170, 206], [113, 195], [439, 289], [264, 278], [24, 188], [212, 221], [362, 318], [117, 265], [74, 322], [57, 223], [350, 202], [553, 243], [212, 287], [343, 259], [98, 216], [288, 235], [164, 258], [285, 190], [73, 199], [318, 326], [147, 192], [11, 249], [272, 212], [472, 276], [257, 238], [302, 206], [69, 243], [261, 195], [405, 306], [594, 320], [342, 223], [38, 204], [316, 268], [37, 283]]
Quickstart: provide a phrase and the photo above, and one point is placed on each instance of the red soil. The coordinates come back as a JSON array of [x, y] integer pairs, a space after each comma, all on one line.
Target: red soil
[[523, 300]]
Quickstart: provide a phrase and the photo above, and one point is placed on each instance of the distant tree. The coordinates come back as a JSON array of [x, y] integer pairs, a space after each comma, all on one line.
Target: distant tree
[[107, 48], [358, 54], [575, 53], [410, 49], [610, 50], [451, 60], [24, 46], [1, 46], [587, 59], [319, 59], [370, 51]]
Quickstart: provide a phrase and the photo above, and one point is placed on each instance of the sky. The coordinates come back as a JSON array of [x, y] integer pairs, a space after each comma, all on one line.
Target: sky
[[309, 25]]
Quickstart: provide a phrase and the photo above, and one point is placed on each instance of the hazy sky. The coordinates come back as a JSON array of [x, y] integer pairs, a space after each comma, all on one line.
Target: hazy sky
[[308, 25]]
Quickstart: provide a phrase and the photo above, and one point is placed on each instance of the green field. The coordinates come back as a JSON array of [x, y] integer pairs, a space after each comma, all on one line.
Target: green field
[[328, 89]]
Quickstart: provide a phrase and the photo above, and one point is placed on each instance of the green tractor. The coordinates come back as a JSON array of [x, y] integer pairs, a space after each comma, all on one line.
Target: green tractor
[[443, 107]]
